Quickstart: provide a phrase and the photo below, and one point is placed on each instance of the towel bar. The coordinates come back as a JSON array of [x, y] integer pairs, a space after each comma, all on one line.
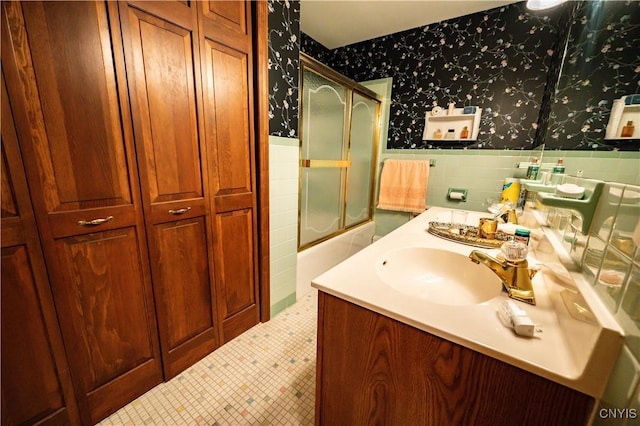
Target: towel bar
[[432, 163]]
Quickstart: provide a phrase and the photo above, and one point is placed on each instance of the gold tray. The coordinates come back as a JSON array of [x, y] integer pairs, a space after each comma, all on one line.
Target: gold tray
[[471, 237]]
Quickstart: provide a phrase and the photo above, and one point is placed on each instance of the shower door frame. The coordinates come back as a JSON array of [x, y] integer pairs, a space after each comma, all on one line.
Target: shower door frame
[[352, 87]]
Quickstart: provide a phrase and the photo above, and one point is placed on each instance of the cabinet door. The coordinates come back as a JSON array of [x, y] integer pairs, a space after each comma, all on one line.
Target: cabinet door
[[164, 82], [65, 75], [36, 386], [230, 140]]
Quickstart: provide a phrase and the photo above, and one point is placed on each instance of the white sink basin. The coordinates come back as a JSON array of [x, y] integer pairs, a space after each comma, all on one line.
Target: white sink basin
[[438, 276]]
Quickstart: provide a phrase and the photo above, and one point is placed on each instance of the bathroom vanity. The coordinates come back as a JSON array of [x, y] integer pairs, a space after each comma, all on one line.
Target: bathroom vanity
[[389, 354]]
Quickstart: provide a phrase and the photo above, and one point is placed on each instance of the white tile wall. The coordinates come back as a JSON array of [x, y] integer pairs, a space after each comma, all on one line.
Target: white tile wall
[[283, 217]]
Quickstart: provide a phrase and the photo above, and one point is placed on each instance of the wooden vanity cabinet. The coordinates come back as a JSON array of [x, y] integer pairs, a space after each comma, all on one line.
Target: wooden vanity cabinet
[[372, 369], [135, 125]]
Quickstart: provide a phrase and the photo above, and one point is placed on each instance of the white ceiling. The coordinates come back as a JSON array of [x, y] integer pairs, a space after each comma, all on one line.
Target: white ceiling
[[336, 23]]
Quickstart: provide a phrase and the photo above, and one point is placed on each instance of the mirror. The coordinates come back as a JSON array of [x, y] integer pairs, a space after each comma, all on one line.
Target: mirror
[[601, 64], [599, 75], [495, 60]]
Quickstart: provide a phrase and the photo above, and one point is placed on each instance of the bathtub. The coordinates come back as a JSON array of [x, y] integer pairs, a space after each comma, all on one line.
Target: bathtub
[[320, 258]]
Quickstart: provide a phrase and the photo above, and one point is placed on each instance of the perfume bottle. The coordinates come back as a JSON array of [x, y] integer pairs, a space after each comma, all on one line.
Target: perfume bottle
[[627, 131], [464, 134], [450, 134], [437, 134]]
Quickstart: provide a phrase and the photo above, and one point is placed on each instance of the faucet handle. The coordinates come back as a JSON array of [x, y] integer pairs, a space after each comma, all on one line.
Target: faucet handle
[[514, 251]]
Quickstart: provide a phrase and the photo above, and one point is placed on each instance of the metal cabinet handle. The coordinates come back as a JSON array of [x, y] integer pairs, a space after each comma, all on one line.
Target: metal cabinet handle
[[95, 222], [180, 211]]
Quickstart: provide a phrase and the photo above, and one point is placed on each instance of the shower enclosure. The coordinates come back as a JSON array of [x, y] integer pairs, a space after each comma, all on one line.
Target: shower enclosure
[[339, 131]]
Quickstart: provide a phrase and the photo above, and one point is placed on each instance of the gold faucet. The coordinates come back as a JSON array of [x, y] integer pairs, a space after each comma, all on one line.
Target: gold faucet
[[514, 274], [509, 216]]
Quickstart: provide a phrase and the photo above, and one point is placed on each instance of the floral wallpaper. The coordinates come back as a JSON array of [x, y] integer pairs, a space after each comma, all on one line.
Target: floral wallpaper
[[602, 63], [504, 60], [553, 73], [284, 64], [497, 60]]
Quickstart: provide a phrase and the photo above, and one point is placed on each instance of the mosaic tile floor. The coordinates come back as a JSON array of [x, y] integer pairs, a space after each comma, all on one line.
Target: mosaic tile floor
[[266, 376]]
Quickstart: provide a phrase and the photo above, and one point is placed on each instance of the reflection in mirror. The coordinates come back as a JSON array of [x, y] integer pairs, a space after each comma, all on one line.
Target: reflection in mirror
[[500, 58], [624, 114], [601, 65], [538, 152], [496, 60]]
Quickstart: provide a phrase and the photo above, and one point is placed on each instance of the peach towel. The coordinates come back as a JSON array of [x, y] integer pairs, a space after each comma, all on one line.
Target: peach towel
[[403, 185]]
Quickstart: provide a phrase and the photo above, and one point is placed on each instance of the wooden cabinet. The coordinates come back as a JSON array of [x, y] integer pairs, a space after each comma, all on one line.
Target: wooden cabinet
[[161, 54], [227, 74], [36, 386], [191, 96], [67, 81], [135, 121], [376, 370]]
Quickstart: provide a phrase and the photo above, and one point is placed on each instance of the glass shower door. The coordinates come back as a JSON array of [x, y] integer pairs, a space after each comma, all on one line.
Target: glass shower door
[[323, 162], [364, 121], [339, 125]]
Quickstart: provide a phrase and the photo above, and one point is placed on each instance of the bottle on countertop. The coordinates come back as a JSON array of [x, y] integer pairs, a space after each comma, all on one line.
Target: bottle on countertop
[[533, 169], [559, 167], [510, 190], [557, 173], [522, 235], [464, 134], [437, 134], [627, 131]]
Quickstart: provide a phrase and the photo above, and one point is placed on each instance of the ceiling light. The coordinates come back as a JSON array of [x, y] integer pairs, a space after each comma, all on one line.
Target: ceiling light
[[543, 4]]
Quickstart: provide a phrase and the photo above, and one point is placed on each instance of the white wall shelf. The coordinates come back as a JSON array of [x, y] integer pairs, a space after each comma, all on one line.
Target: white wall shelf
[[620, 115], [456, 121]]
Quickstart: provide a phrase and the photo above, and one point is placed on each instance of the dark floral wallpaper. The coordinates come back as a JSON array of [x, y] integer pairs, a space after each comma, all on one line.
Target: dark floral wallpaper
[[553, 73], [284, 64], [497, 60], [602, 63]]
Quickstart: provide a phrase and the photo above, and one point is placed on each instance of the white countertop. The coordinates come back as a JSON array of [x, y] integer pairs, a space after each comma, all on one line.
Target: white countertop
[[574, 353]]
